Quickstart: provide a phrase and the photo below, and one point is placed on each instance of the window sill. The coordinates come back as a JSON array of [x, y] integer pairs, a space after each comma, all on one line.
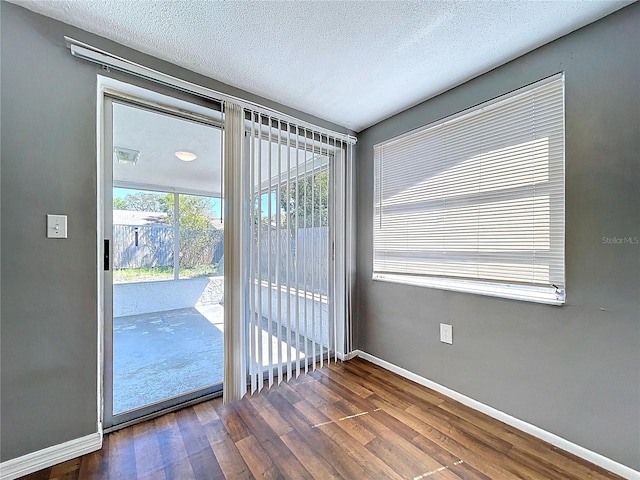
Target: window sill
[[545, 295]]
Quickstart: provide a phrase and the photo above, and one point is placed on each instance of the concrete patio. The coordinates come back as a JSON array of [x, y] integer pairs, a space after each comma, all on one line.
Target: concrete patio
[[168, 336], [164, 354]]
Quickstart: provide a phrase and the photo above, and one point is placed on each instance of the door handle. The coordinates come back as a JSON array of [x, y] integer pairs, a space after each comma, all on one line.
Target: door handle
[[107, 262]]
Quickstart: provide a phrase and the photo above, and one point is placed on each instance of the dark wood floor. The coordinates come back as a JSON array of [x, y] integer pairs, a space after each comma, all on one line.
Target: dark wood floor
[[352, 420]]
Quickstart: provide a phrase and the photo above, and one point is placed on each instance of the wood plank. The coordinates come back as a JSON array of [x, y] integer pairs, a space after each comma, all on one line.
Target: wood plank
[[227, 454], [445, 422], [257, 459], [330, 383], [149, 464], [68, 469], [287, 464], [548, 469], [286, 391], [297, 422], [174, 454], [317, 466], [401, 383], [94, 465], [457, 465], [43, 474], [381, 417], [404, 463], [317, 394], [351, 426], [201, 457], [232, 422], [269, 414], [206, 412], [475, 460], [335, 375], [441, 439], [122, 456], [382, 389]]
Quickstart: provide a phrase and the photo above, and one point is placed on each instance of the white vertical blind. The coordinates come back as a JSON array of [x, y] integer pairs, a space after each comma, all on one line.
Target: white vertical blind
[[234, 331], [290, 327], [475, 202]]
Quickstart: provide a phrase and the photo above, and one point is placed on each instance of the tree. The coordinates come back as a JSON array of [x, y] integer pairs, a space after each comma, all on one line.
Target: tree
[[306, 201], [119, 204], [197, 236], [141, 202], [195, 212]]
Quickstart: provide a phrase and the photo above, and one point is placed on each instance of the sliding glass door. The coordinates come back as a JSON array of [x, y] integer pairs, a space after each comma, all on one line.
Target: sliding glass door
[[164, 273], [164, 267]]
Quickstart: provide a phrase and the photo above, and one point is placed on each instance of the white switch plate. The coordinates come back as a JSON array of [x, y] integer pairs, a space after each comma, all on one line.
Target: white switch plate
[[446, 333], [56, 226]]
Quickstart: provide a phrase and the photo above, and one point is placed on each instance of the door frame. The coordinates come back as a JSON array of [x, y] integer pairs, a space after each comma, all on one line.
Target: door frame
[[108, 91]]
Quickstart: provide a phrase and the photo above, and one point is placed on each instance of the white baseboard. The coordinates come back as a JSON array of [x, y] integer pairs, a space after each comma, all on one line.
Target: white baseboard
[[347, 356], [549, 437], [47, 457]]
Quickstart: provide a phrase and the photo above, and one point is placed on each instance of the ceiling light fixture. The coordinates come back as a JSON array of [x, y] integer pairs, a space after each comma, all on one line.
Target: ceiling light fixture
[[127, 156], [186, 156]]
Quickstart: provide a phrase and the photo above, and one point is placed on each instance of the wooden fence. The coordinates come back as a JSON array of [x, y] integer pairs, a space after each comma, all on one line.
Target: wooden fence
[[140, 246], [298, 260]]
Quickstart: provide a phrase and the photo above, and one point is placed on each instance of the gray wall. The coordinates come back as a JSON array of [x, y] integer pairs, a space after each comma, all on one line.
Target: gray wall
[[571, 370], [48, 147]]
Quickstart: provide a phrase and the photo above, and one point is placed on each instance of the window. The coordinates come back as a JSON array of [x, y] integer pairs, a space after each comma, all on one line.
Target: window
[[145, 229], [475, 202]]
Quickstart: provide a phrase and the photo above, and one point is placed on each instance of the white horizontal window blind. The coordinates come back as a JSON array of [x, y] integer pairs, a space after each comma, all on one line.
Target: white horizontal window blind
[[475, 202]]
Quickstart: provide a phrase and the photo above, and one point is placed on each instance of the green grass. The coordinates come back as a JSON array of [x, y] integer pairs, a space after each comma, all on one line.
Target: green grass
[[199, 271], [153, 274]]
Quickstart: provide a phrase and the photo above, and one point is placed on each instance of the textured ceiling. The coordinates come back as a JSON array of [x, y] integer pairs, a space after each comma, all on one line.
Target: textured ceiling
[[157, 137], [352, 63]]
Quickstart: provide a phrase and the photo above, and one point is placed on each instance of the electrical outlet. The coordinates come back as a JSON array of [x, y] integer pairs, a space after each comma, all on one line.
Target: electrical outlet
[[446, 333]]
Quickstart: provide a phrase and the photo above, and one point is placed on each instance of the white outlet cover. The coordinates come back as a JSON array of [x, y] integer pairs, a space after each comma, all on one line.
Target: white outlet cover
[[446, 333], [56, 226]]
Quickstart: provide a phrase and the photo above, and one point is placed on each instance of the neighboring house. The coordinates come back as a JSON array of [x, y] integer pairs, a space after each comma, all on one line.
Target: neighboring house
[[132, 217]]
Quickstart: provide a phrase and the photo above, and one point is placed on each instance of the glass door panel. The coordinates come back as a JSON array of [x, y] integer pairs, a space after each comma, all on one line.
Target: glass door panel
[[164, 292]]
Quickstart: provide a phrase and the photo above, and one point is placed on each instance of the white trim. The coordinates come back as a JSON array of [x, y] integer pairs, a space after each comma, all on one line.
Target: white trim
[[348, 356], [101, 86], [528, 293], [32, 462], [526, 427]]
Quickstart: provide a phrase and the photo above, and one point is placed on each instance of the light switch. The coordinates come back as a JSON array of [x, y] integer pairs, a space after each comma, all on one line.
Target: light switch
[[56, 226]]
